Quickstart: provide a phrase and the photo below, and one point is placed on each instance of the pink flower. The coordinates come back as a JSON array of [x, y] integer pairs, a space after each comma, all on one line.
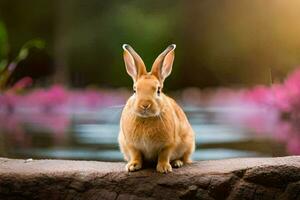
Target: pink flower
[[21, 84]]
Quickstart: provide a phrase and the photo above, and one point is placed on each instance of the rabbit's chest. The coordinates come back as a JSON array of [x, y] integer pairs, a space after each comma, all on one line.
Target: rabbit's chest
[[150, 142], [149, 148]]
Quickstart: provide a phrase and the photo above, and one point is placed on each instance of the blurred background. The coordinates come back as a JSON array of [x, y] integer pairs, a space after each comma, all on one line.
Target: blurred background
[[63, 82]]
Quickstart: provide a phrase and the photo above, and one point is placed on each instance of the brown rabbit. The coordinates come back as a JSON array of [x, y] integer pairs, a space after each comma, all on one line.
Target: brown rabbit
[[152, 126]]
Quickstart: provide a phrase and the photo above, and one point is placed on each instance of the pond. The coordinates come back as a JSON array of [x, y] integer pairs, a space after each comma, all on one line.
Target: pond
[[93, 135]]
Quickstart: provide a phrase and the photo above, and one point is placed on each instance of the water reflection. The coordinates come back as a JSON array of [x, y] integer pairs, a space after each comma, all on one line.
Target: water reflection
[[221, 132]]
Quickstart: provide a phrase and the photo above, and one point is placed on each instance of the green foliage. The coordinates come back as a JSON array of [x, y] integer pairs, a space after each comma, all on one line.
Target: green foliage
[[148, 33], [99, 40], [24, 52], [7, 68], [219, 43]]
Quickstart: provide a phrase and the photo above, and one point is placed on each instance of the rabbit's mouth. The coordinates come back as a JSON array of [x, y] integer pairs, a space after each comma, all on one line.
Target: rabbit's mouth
[[147, 113]]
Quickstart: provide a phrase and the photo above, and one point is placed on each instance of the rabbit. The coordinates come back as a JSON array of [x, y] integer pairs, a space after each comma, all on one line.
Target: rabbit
[[153, 127]]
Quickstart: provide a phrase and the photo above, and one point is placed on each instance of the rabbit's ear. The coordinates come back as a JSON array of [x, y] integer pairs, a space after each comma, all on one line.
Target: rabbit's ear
[[135, 66], [162, 66]]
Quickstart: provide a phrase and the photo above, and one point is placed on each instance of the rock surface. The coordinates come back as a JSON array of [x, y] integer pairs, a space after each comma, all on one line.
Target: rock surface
[[245, 178]]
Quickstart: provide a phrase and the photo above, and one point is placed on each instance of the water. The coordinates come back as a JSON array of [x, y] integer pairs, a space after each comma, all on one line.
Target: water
[[93, 135]]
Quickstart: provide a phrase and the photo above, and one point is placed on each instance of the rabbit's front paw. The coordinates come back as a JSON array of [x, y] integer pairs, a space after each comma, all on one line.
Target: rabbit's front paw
[[177, 163], [163, 167], [133, 166]]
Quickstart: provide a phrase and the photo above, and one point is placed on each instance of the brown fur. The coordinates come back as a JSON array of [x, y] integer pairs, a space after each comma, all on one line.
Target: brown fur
[[162, 133]]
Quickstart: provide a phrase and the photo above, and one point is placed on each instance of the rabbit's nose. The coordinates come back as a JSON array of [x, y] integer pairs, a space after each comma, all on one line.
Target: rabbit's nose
[[145, 106]]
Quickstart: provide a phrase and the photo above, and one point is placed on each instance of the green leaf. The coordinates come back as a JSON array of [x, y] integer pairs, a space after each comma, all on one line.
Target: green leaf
[[35, 43], [3, 64], [24, 52]]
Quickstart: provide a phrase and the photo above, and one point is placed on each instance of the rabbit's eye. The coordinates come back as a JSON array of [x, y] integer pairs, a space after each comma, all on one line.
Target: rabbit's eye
[[134, 91], [158, 91]]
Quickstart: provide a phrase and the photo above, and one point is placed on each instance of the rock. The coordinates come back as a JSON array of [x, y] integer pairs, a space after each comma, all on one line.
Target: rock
[[244, 178], [248, 191], [221, 185], [273, 176]]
